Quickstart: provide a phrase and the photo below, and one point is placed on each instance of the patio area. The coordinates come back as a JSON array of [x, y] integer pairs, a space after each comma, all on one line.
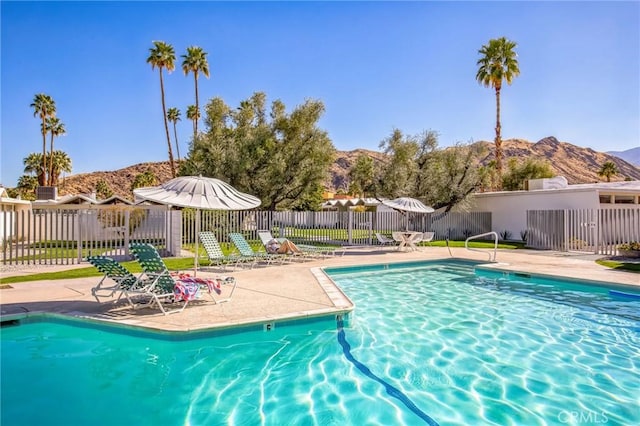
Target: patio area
[[276, 293]]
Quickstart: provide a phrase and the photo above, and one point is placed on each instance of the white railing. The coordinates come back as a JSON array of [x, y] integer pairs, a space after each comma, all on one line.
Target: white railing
[[495, 247]]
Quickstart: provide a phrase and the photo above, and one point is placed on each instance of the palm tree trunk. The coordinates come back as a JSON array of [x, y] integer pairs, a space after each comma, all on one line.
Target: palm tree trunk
[[195, 127], [50, 182], [175, 135], [166, 127], [42, 177], [498, 142]]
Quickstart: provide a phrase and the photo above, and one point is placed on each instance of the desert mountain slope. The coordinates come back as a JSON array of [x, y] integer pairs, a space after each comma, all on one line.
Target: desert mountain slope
[[578, 165], [630, 155]]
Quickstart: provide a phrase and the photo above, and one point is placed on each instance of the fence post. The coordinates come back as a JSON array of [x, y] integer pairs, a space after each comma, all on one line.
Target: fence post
[[79, 241], [350, 227]]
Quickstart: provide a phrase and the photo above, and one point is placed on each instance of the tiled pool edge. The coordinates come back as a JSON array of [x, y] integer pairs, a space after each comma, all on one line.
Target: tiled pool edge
[[340, 309], [338, 298]]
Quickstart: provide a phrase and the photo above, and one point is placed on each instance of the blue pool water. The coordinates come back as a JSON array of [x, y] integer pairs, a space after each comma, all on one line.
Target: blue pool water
[[437, 343]]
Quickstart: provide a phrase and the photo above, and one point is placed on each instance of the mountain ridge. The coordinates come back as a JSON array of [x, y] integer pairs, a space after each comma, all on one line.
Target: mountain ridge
[[577, 164]]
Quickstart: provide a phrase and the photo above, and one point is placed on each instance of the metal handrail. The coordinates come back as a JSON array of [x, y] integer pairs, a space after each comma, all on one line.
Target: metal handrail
[[495, 248]]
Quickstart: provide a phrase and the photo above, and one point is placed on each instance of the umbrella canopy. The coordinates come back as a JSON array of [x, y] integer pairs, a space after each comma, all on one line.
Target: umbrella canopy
[[200, 193], [408, 204]]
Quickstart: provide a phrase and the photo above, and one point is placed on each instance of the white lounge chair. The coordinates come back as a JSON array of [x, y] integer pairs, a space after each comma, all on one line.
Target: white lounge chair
[[307, 249]]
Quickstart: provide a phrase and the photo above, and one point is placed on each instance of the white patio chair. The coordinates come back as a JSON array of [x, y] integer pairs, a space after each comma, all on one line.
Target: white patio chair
[[384, 240], [427, 237], [400, 238]]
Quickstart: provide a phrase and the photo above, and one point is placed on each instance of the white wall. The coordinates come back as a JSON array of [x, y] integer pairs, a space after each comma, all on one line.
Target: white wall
[[509, 209]]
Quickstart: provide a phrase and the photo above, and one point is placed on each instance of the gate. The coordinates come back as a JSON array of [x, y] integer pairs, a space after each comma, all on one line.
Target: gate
[[597, 231]]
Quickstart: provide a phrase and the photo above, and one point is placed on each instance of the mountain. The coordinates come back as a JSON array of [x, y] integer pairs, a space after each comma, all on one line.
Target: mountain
[[630, 155], [578, 165], [118, 180]]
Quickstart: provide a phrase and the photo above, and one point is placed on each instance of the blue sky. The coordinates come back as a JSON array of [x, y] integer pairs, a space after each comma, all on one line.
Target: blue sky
[[375, 65]]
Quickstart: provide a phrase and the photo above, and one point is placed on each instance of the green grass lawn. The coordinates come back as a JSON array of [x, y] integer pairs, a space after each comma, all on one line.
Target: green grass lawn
[[622, 266], [186, 263]]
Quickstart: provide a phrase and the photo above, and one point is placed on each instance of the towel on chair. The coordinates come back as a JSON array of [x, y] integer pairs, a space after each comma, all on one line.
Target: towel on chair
[[185, 290], [188, 287]]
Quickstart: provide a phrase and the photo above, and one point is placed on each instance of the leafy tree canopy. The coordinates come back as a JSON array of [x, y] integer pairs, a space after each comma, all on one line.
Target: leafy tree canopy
[[362, 176], [103, 190], [519, 172], [148, 178], [442, 178], [280, 158]]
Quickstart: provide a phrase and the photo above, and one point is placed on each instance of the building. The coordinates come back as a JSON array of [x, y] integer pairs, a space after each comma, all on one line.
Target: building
[[509, 208]]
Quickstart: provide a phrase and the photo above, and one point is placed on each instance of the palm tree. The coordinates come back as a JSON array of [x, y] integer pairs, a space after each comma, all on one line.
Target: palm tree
[[56, 128], [194, 115], [608, 169], [61, 163], [33, 165], [162, 56], [43, 106], [27, 187], [498, 62], [195, 61], [173, 115]]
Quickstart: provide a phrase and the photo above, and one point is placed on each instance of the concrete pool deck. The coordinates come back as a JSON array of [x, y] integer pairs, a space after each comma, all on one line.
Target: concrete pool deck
[[277, 292]]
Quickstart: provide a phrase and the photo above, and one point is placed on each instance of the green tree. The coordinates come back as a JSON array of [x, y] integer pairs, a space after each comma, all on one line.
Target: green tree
[[608, 170], [56, 128], [162, 56], [173, 115], [498, 63], [43, 107], [27, 187], [147, 178], [33, 166], [442, 178], [61, 163], [280, 159], [362, 176], [398, 177], [519, 173], [193, 114], [450, 176], [103, 190], [195, 61]]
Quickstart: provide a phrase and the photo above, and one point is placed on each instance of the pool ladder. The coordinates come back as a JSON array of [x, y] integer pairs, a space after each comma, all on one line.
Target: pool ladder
[[495, 247]]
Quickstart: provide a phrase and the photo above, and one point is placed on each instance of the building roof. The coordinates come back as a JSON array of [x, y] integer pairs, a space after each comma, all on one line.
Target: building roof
[[350, 202], [626, 187]]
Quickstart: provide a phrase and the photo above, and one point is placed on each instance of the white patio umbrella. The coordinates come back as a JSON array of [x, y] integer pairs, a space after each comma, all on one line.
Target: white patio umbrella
[[200, 193], [408, 204]]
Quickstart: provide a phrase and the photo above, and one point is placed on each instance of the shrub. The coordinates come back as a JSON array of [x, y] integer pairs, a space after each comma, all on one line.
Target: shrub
[[523, 235], [634, 245], [505, 235]]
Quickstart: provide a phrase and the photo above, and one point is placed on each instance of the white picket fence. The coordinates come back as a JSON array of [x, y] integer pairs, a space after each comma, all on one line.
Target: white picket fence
[[69, 234], [598, 231]]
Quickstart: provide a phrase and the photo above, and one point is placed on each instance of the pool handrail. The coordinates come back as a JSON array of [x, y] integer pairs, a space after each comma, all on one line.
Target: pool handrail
[[495, 247]]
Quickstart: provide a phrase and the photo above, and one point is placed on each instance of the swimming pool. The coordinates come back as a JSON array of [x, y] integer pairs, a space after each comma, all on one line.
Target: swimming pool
[[430, 343]]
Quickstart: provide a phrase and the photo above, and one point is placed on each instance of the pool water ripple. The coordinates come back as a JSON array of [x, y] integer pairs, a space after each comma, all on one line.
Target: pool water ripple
[[493, 349], [462, 348]]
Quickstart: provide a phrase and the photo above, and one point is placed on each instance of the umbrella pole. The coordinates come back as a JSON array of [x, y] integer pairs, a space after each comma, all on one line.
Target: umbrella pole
[[195, 261]]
